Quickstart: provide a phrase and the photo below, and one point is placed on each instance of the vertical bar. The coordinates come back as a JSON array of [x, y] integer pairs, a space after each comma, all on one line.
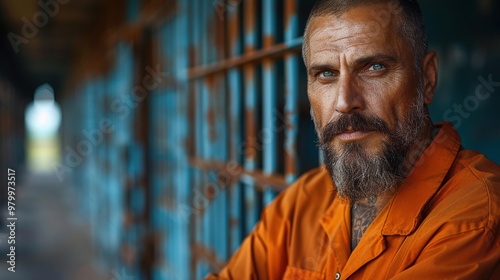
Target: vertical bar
[[109, 173], [207, 140], [181, 173], [85, 90], [218, 101], [203, 147], [165, 133], [269, 91], [158, 103], [194, 222], [143, 129], [158, 189], [114, 193], [250, 116], [234, 76], [102, 191], [91, 112], [128, 172], [170, 116], [211, 221], [291, 93]]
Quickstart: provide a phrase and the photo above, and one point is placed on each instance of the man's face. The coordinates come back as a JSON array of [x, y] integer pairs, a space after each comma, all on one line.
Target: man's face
[[366, 99]]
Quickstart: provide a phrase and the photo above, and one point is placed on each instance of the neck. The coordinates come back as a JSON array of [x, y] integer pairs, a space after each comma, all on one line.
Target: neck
[[363, 212], [419, 146]]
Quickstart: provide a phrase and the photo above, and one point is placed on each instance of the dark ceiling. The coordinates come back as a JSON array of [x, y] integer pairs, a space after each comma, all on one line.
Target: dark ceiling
[[38, 43]]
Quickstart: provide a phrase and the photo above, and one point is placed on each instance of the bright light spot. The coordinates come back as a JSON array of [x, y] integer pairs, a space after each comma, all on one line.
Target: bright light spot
[[43, 118]]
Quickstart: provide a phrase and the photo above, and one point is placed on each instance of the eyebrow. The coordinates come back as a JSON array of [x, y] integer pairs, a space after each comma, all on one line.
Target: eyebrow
[[376, 57], [359, 61]]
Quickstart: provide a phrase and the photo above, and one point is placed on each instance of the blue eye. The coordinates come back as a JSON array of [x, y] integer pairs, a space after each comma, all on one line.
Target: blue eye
[[327, 74], [376, 66]]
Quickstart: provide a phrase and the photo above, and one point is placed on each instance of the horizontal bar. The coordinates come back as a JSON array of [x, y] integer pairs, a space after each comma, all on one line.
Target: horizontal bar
[[261, 180], [252, 57]]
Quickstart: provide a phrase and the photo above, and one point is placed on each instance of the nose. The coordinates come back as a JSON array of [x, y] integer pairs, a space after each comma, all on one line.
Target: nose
[[349, 97]]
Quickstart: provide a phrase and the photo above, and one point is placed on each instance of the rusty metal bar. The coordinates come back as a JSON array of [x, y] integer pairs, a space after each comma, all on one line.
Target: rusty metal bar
[[261, 180], [269, 134], [276, 51], [179, 254], [206, 129], [192, 142], [220, 216], [251, 215], [170, 114], [291, 93], [122, 81], [234, 95], [162, 186], [208, 135], [198, 220]]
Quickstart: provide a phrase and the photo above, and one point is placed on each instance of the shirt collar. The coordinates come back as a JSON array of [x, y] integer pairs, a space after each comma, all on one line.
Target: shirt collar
[[424, 180]]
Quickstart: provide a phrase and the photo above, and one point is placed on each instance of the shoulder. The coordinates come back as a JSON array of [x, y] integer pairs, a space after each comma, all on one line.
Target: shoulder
[[480, 167], [479, 176], [471, 194]]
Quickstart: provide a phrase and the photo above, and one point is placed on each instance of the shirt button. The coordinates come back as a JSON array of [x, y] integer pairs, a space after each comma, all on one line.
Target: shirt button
[[337, 276]]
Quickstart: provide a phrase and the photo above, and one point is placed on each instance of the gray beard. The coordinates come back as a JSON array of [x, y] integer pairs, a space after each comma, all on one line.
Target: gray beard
[[358, 175]]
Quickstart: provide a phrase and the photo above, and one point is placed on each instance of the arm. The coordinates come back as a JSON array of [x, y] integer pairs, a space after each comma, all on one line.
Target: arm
[[263, 254], [266, 252]]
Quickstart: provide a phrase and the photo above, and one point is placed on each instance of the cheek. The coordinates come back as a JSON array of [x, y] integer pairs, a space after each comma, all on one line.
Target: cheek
[[321, 100], [315, 104], [388, 100], [401, 107], [315, 113]]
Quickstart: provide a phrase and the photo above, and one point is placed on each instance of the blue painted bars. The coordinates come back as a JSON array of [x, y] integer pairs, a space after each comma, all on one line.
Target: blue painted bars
[[250, 94], [236, 227], [291, 92], [269, 133]]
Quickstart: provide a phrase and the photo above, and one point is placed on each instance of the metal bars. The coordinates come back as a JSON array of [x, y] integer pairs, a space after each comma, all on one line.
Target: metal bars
[[235, 128], [268, 134], [218, 137], [237, 120], [250, 96], [291, 92]]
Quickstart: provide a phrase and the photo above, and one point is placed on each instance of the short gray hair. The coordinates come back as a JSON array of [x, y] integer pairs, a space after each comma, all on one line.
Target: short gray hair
[[411, 22]]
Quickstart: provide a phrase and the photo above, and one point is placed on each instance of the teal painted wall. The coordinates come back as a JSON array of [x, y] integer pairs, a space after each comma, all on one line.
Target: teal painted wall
[[466, 36]]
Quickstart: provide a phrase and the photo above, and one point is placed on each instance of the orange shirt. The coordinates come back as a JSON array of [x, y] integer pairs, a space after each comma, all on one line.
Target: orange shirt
[[443, 223]]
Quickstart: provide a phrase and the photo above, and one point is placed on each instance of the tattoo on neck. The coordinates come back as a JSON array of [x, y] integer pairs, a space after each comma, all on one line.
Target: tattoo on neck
[[362, 215]]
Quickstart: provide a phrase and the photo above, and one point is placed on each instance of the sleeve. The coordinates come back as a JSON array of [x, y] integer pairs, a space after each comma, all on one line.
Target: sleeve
[[263, 253], [474, 254]]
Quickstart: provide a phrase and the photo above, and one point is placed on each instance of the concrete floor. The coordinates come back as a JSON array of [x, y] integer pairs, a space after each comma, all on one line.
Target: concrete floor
[[52, 242]]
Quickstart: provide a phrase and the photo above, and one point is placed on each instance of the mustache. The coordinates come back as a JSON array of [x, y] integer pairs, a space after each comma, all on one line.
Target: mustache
[[354, 121]]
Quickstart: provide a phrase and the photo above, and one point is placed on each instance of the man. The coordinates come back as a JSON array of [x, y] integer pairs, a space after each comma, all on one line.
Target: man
[[398, 197]]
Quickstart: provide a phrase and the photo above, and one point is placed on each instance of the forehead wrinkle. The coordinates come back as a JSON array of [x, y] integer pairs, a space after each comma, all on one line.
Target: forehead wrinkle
[[345, 30], [332, 47], [340, 38], [331, 37]]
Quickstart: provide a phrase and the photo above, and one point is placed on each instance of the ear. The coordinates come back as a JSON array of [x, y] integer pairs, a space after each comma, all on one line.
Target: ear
[[430, 67]]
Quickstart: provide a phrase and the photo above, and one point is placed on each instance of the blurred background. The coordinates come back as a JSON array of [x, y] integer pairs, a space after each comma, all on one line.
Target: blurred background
[[146, 136]]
